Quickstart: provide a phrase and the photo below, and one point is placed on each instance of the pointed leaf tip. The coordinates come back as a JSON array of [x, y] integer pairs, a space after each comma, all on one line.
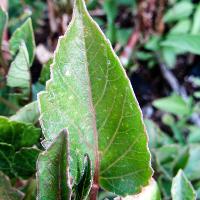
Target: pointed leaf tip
[[80, 6]]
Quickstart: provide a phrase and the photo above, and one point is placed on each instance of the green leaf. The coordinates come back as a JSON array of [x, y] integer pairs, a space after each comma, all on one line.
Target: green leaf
[[18, 134], [21, 163], [196, 25], [110, 8], [7, 192], [169, 56], [24, 163], [83, 187], [165, 186], [197, 95], [153, 44], [19, 72], [36, 88], [3, 21], [24, 33], [194, 134], [180, 10], [181, 159], [90, 94], [173, 104], [122, 35], [53, 170], [157, 138], [15, 159], [165, 158], [181, 27], [185, 42], [31, 190], [192, 169], [6, 157], [182, 188], [27, 114], [45, 73]]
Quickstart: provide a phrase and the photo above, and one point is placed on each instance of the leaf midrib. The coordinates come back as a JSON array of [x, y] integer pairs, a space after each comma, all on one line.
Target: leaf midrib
[[91, 106]]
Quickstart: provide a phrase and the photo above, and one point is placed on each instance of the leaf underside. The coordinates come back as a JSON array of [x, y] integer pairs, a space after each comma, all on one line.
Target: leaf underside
[[90, 94]]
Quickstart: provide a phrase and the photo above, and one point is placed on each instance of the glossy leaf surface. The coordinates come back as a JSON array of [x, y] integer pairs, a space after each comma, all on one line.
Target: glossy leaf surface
[[24, 162], [18, 134], [7, 152]]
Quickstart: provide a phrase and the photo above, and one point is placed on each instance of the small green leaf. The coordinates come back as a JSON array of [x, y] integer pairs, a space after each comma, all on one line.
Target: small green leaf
[[7, 152], [110, 8], [165, 158], [83, 187], [182, 188], [53, 170], [18, 134], [36, 88], [180, 10], [24, 163], [184, 42], [90, 94], [157, 138], [24, 33], [45, 73], [181, 159], [192, 169], [169, 56], [7, 192], [196, 25], [194, 134], [173, 104], [3, 21], [27, 114], [19, 72], [183, 26]]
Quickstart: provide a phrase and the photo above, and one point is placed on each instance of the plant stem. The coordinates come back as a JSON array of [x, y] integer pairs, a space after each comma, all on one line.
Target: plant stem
[[94, 191], [95, 185]]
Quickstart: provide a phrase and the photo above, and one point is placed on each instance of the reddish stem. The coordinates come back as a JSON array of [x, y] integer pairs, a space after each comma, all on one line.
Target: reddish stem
[[125, 56]]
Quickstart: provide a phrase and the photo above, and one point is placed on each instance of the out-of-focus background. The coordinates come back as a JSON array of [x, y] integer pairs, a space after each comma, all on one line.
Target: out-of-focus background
[[158, 43]]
